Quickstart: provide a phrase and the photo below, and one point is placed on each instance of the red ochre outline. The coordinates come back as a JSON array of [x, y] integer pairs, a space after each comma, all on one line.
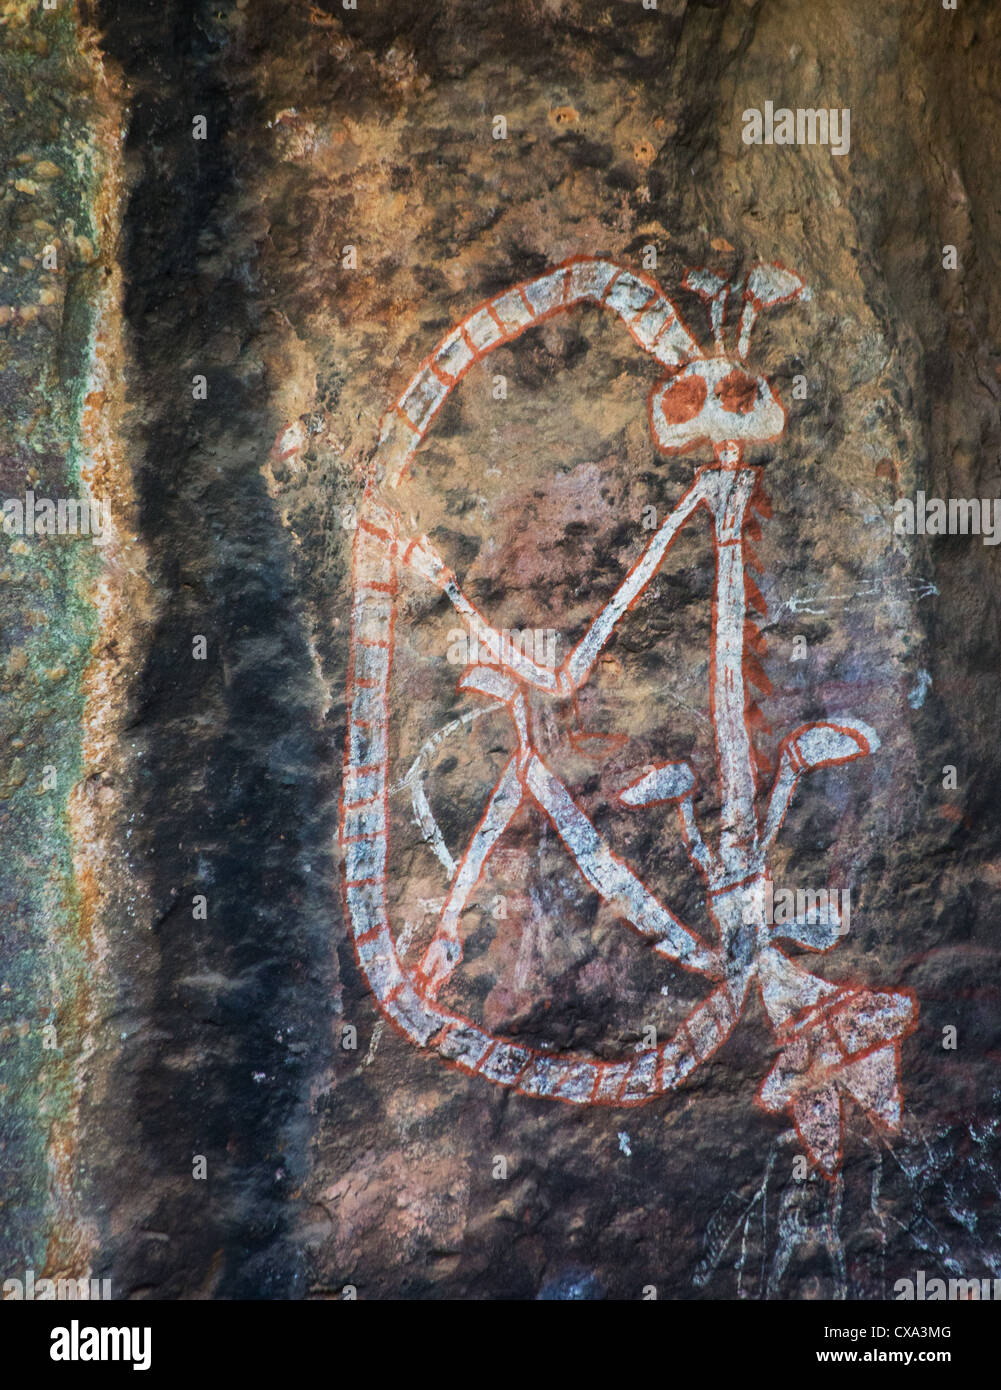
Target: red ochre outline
[[508, 335], [680, 1045], [569, 1062], [683, 1042]]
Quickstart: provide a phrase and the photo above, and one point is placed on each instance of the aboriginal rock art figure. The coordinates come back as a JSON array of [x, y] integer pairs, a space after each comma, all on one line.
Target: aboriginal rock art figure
[[834, 1041]]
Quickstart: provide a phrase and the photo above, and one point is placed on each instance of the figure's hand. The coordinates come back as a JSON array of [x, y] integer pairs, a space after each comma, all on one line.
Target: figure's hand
[[440, 959], [421, 556]]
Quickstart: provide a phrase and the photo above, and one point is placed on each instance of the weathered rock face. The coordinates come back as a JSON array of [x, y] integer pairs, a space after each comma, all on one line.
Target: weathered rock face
[[57, 361], [303, 202]]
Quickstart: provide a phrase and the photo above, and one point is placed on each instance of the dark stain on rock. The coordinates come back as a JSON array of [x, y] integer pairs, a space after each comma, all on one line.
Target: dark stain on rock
[[235, 753]]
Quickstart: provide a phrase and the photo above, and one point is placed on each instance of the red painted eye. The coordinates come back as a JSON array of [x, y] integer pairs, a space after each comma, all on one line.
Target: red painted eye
[[684, 400], [737, 392]]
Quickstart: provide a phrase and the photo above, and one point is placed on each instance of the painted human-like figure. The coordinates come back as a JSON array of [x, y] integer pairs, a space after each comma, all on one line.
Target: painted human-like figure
[[834, 1041]]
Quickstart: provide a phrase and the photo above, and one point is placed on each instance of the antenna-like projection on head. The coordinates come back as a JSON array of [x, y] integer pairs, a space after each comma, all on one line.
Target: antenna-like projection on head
[[766, 286], [715, 291]]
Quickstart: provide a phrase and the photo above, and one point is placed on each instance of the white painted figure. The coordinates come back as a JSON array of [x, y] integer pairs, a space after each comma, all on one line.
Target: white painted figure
[[834, 1041]]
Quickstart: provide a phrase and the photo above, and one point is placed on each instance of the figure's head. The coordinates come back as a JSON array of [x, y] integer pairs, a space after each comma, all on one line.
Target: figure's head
[[713, 399]]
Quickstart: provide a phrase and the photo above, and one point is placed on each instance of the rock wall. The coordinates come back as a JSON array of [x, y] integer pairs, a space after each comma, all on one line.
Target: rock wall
[[265, 218]]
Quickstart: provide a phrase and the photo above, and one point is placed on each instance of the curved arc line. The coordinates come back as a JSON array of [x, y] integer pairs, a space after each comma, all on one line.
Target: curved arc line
[[572, 1078], [637, 299]]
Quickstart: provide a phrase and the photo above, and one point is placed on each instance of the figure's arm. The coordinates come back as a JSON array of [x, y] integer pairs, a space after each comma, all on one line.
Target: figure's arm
[[421, 556], [580, 662], [674, 784], [813, 746]]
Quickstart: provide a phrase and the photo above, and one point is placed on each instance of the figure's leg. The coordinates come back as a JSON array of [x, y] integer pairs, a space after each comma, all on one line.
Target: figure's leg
[[445, 950], [616, 883]]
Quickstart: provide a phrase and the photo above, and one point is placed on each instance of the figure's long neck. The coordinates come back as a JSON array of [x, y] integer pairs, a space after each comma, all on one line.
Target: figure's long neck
[[738, 849]]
